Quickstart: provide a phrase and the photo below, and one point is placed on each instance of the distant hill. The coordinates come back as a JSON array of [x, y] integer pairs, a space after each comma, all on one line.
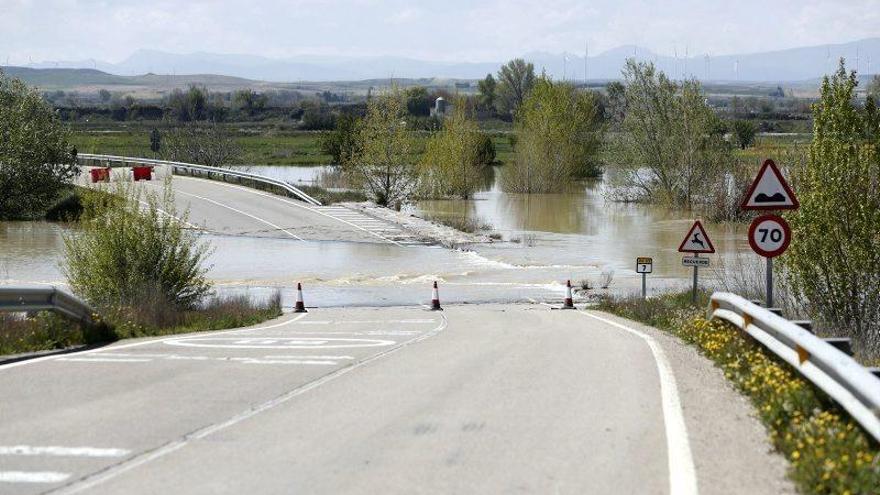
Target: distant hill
[[796, 64], [52, 79]]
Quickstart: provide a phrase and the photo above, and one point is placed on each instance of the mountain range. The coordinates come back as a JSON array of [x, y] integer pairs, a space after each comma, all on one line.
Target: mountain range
[[795, 64]]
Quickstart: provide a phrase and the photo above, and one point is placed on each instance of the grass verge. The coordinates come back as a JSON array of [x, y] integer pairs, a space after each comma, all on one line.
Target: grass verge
[[828, 452], [327, 197], [47, 331]]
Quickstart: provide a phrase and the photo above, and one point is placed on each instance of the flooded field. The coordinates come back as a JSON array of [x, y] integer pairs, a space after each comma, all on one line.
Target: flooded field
[[547, 239]]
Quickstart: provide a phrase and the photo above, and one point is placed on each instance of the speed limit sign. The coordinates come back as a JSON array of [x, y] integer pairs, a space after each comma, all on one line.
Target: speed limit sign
[[769, 235]]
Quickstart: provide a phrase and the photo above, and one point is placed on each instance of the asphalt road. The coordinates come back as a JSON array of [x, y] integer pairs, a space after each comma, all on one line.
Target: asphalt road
[[476, 399], [226, 208]]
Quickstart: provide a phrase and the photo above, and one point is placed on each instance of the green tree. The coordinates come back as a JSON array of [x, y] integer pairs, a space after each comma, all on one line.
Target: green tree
[[744, 132], [615, 104], [133, 249], [342, 142], [515, 82], [104, 95], [249, 101], [834, 259], [558, 136], [384, 165], [190, 105], [35, 153], [418, 102], [487, 88], [453, 162], [670, 151]]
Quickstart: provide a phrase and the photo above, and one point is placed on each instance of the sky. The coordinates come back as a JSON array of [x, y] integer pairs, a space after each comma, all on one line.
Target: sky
[[450, 30]]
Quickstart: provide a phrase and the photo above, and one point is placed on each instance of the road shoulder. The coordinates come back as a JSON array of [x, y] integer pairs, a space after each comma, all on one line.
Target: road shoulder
[[731, 451]]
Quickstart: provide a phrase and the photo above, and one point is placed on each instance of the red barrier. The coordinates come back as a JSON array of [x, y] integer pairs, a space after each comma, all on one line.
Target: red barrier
[[100, 174], [142, 173]]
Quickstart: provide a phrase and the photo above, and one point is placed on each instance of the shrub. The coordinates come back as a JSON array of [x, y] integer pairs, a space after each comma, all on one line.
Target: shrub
[[132, 248]]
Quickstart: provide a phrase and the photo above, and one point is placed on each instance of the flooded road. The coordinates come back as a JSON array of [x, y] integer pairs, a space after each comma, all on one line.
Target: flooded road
[[547, 239]]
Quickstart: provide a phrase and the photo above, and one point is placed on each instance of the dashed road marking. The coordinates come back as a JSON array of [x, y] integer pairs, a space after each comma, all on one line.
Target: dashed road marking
[[104, 360]]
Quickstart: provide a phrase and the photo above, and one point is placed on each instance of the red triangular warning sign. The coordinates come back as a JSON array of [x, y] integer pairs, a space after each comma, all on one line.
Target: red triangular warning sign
[[769, 191], [696, 241]]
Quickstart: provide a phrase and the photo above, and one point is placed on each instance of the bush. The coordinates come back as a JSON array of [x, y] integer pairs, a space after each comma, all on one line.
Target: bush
[[133, 248], [559, 134]]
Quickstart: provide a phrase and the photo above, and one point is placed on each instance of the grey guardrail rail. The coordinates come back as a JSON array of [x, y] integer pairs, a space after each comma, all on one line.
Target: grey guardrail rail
[[850, 384], [27, 299], [193, 169]]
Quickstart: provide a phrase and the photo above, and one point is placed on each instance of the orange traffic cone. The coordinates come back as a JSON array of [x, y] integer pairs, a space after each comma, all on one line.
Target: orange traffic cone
[[435, 299], [300, 305], [569, 303]]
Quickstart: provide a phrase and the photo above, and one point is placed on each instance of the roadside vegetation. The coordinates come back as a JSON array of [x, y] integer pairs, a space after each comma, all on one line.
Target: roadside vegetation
[[36, 160], [828, 452]]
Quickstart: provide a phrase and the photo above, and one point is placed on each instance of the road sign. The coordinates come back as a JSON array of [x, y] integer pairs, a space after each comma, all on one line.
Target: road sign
[[769, 235], [644, 265], [694, 261], [696, 241], [770, 191]]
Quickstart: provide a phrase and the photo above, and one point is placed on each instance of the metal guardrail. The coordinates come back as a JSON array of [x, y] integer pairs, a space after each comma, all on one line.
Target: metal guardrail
[[846, 381], [193, 169], [27, 299]]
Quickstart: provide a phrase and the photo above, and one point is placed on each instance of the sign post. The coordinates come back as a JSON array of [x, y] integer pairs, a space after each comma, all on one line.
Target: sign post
[[696, 241], [644, 266], [769, 235]]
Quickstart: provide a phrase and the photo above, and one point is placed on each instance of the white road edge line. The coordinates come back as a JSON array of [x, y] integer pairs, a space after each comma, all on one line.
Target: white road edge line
[[113, 348], [32, 477], [93, 480], [682, 474], [284, 200], [28, 450], [291, 234]]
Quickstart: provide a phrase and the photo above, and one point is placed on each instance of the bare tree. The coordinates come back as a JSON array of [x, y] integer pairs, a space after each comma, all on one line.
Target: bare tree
[[204, 144]]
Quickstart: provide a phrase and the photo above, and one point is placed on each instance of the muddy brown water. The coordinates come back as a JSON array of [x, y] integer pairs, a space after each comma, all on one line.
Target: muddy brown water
[[547, 239]]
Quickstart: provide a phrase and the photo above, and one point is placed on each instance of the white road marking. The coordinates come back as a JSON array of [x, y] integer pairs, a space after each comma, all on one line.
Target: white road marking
[[359, 322], [171, 447], [104, 360], [291, 234], [279, 343], [294, 203], [285, 356], [682, 474], [28, 450], [32, 477], [113, 348]]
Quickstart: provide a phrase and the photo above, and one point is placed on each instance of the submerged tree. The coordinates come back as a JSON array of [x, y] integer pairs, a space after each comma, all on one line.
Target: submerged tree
[[558, 136], [36, 160], [384, 164], [455, 157], [834, 259], [672, 150]]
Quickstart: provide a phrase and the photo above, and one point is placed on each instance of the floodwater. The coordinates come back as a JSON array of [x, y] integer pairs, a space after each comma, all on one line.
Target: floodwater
[[547, 239]]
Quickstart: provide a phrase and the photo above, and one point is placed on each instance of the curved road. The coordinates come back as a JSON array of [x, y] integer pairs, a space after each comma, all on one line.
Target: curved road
[[225, 208], [477, 399]]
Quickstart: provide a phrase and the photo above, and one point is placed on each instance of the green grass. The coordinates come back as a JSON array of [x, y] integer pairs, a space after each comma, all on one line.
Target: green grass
[[828, 452], [259, 145]]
